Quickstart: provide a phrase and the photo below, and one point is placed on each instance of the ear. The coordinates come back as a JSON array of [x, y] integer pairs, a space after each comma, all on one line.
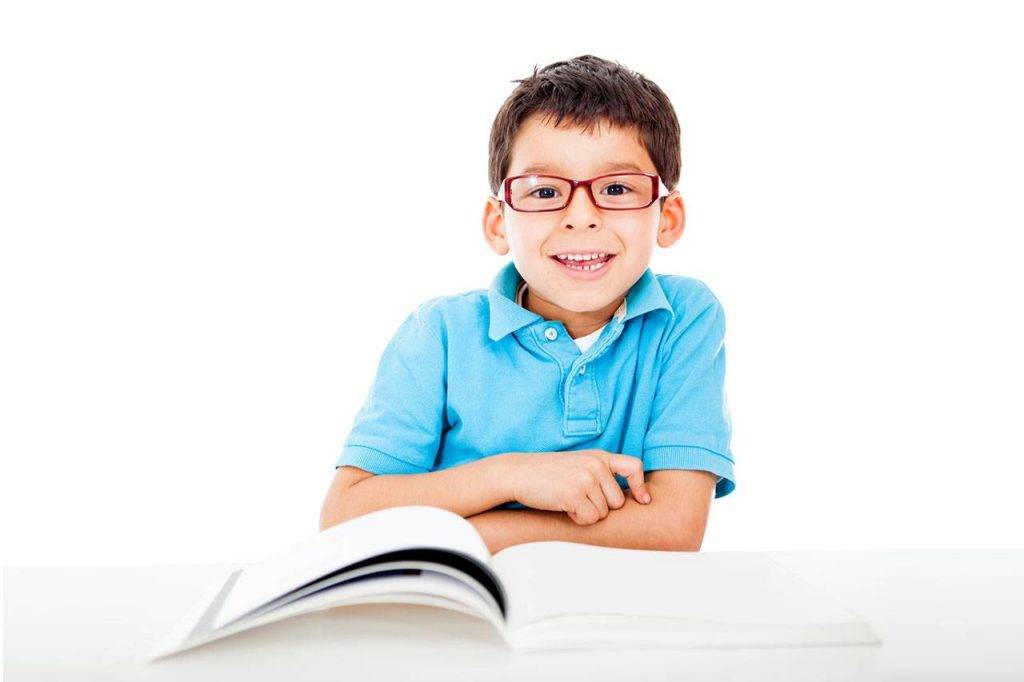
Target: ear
[[494, 226], [673, 220]]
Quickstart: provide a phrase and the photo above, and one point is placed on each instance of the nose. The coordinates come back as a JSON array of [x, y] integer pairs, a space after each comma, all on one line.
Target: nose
[[581, 211]]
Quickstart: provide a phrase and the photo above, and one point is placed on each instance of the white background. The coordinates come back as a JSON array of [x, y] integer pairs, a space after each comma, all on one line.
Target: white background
[[213, 220]]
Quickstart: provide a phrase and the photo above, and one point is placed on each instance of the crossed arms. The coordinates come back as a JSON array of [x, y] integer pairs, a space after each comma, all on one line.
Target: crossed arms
[[572, 497]]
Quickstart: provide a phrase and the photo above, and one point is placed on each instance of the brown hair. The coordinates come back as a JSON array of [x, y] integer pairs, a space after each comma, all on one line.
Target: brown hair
[[587, 90]]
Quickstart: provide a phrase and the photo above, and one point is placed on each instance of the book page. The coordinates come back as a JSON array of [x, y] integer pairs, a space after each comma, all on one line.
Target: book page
[[376, 572], [430, 588], [364, 537], [553, 579]]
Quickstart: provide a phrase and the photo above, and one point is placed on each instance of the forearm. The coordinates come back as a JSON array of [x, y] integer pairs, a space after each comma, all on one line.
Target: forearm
[[657, 525], [465, 489]]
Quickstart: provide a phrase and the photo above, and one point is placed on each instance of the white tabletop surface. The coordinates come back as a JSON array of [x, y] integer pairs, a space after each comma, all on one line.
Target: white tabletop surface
[[943, 615]]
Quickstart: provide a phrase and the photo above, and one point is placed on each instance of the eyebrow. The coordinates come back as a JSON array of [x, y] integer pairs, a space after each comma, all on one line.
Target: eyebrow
[[606, 168]]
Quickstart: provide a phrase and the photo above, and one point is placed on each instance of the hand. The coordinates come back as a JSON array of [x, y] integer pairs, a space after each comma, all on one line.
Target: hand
[[580, 482]]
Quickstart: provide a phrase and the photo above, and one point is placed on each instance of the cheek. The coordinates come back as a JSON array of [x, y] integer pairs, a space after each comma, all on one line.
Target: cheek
[[529, 247], [640, 242]]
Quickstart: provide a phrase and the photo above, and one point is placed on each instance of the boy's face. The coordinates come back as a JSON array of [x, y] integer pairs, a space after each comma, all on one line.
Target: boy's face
[[535, 238]]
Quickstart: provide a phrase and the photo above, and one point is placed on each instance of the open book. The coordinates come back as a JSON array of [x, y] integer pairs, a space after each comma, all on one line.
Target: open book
[[539, 595]]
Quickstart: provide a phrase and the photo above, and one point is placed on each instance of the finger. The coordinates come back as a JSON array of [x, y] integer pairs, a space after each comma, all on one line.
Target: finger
[[585, 512], [612, 490], [632, 468], [596, 494]]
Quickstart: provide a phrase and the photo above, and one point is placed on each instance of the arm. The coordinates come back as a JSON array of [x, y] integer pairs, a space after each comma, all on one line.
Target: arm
[[465, 489], [674, 520]]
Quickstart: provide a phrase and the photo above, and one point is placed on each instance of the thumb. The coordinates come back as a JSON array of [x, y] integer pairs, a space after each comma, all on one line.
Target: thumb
[[632, 469]]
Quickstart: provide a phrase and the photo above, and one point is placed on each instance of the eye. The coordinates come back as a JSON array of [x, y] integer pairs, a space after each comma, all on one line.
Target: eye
[[552, 191], [623, 189]]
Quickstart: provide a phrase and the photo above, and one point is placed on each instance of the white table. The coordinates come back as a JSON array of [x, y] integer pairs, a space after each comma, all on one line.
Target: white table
[[943, 615]]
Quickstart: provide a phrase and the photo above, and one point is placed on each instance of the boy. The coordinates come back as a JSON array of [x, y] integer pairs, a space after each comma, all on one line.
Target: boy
[[529, 407]]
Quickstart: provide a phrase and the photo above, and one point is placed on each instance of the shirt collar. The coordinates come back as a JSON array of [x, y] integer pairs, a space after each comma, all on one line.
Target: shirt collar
[[506, 316]]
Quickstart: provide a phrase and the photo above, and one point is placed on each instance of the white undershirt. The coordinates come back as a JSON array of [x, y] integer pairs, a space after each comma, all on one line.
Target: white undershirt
[[584, 342]]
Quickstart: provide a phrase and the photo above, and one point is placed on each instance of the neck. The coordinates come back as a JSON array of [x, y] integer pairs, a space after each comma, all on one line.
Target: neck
[[577, 324]]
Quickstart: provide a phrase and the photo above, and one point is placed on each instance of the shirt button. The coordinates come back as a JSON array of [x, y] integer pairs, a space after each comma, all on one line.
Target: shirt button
[[583, 368], [551, 333]]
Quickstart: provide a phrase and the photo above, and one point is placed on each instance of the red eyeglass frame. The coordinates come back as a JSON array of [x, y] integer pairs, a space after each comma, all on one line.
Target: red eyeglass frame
[[654, 178]]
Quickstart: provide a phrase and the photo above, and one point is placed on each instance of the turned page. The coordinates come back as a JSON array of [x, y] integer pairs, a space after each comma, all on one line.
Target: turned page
[[364, 537], [550, 579]]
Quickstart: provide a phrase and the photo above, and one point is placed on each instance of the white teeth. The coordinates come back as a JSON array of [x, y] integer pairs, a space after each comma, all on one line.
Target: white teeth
[[595, 266], [568, 258], [581, 256]]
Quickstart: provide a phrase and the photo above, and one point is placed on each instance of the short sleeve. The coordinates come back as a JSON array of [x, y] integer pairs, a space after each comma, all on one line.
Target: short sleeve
[[690, 425], [398, 429]]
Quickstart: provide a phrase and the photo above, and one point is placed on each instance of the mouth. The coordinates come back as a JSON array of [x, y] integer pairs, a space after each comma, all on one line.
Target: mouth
[[590, 269]]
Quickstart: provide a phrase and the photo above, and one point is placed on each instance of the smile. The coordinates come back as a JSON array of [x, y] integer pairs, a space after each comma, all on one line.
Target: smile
[[591, 269]]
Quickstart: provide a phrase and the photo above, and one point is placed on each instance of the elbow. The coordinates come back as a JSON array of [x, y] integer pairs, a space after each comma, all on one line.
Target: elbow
[[679, 542], [684, 537], [338, 506], [328, 518], [686, 532], [334, 511], [326, 522], [335, 515], [690, 545]]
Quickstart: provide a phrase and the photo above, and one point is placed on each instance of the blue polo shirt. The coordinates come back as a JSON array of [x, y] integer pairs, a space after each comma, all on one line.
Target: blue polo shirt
[[471, 375]]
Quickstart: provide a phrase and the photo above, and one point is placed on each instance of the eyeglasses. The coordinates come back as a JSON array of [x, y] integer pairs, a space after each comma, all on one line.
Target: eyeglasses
[[538, 193]]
